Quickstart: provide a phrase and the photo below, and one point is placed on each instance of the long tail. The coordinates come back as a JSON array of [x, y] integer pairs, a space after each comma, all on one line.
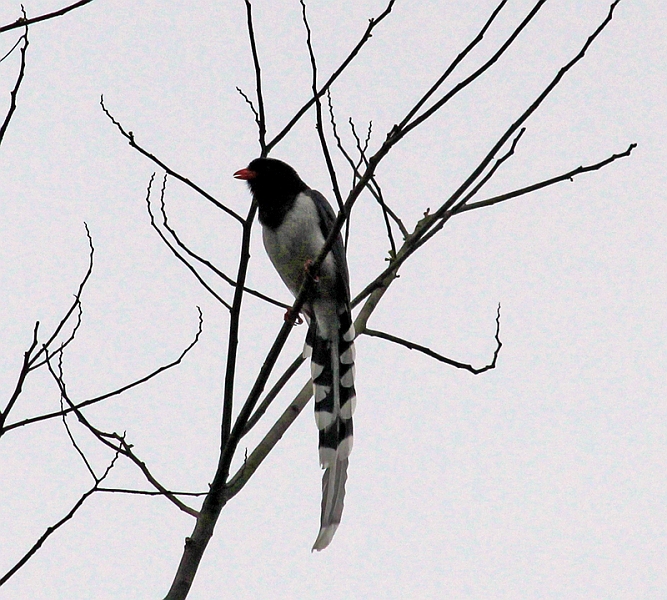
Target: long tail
[[332, 370]]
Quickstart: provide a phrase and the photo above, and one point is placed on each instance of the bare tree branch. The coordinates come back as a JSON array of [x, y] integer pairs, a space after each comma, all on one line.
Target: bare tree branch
[[440, 357], [260, 116], [406, 126], [76, 305], [116, 392], [455, 63], [148, 492], [226, 278], [18, 388], [118, 444], [175, 252], [318, 112], [569, 176], [14, 47], [24, 21], [129, 136], [17, 85], [53, 528], [372, 24], [275, 390]]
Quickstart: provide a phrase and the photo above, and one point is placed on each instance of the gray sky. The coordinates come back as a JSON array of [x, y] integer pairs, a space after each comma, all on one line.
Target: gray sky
[[545, 478]]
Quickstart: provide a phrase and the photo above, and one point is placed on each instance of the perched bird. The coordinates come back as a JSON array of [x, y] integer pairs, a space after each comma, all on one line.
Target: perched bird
[[296, 221]]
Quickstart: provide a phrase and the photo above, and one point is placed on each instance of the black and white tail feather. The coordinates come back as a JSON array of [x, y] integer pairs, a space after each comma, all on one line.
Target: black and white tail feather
[[332, 371], [296, 221]]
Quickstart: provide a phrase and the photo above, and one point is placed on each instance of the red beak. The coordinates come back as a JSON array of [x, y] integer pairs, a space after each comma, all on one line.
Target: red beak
[[245, 174]]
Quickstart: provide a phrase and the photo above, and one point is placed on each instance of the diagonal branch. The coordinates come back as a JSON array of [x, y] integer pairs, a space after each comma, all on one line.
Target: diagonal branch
[[569, 176], [118, 444], [372, 24], [175, 252], [440, 357], [53, 528], [116, 392], [405, 127], [17, 85], [318, 111], [18, 388], [226, 278], [129, 136], [24, 21]]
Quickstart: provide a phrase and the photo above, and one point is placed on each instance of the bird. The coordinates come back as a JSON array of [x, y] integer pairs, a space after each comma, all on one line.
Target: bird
[[296, 220]]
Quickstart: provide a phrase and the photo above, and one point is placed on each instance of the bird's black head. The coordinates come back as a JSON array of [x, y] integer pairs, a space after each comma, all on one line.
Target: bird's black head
[[275, 185]]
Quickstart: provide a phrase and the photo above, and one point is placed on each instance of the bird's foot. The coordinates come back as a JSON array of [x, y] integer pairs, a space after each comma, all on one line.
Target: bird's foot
[[306, 267], [295, 319]]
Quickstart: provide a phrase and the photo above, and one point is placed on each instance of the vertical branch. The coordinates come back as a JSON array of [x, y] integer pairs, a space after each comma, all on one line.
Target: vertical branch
[[261, 116], [318, 109], [233, 342]]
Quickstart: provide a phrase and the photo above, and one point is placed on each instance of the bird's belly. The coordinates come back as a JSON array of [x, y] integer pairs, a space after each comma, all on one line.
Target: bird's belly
[[297, 240]]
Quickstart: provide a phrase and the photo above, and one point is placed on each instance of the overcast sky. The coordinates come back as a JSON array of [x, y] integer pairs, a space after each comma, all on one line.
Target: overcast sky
[[544, 478]]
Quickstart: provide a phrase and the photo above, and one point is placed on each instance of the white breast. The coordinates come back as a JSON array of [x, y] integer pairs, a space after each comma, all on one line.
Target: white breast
[[297, 240]]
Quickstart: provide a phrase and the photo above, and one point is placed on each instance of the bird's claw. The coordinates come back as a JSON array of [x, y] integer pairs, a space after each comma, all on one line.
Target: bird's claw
[[306, 267], [291, 318]]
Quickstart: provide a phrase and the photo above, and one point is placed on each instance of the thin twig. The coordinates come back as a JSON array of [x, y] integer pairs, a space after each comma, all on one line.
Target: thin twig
[[24, 21], [449, 70], [569, 176], [372, 24], [53, 528], [319, 126], [116, 392], [17, 85], [440, 357], [249, 103], [273, 392], [175, 252], [406, 127], [491, 172], [118, 444], [12, 49], [149, 492], [18, 388], [260, 117], [129, 136], [226, 278], [76, 304]]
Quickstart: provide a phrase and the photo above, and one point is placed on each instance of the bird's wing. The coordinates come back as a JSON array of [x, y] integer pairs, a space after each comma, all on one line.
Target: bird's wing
[[327, 218]]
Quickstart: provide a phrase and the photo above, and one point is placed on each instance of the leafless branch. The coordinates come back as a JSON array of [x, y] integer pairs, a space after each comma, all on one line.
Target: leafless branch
[[455, 63], [17, 85], [260, 116], [76, 446], [148, 492], [75, 305], [24, 21], [129, 136], [116, 392], [440, 357], [275, 390], [569, 176], [250, 104], [175, 252], [405, 126], [14, 47], [226, 278], [53, 528], [23, 373], [372, 24], [118, 444], [319, 126]]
